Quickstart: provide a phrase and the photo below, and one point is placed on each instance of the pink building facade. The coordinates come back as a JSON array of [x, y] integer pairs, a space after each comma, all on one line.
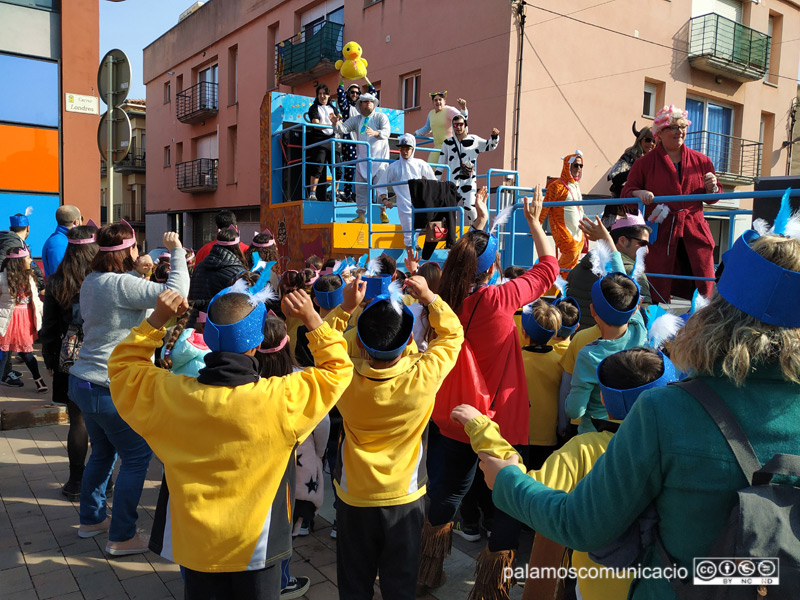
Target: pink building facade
[[585, 77]]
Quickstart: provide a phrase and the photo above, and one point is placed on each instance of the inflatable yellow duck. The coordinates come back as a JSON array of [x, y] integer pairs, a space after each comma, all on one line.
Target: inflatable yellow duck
[[353, 66]]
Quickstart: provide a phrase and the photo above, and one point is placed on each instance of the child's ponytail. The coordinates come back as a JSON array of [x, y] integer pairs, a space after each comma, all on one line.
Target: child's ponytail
[[180, 326]]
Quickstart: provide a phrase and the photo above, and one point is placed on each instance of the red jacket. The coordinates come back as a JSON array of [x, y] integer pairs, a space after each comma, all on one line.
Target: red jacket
[[656, 173], [495, 342], [203, 252]]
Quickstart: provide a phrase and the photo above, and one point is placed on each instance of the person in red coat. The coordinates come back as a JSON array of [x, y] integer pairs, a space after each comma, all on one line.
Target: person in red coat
[[684, 245]]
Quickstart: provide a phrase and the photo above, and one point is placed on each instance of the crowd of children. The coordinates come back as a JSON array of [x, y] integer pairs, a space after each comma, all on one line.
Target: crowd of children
[[395, 383]]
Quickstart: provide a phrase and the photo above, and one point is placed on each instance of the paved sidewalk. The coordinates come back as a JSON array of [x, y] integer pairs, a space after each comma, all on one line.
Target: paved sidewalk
[[42, 557]]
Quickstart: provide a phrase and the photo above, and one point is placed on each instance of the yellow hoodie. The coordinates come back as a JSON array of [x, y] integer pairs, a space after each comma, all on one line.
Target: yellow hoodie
[[226, 450], [385, 415], [561, 471]]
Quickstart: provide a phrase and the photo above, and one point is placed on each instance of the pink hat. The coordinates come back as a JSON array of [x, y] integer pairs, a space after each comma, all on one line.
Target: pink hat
[[629, 221]]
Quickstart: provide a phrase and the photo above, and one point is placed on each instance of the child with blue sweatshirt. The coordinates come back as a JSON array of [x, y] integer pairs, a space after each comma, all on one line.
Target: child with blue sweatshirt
[[615, 300]]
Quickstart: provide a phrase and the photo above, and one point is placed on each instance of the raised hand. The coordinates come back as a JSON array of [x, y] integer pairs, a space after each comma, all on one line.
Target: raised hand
[[169, 304], [417, 287], [171, 240], [298, 305], [353, 294]]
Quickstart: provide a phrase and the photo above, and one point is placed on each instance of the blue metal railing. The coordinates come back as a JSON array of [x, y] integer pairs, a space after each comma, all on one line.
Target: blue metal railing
[[334, 165]]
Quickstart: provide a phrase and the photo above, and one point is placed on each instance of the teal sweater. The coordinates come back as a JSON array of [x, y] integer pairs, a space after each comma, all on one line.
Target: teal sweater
[[583, 401], [667, 450]]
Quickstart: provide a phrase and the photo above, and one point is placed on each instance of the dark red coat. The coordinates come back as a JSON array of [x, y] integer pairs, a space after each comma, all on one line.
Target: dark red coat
[[656, 173]]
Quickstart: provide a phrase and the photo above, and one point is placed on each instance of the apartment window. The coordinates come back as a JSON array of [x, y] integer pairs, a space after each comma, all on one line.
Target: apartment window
[[649, 103], [179, 152], [167, 92], [410, 88], [209, 75], [232, 141], [167, 157], [233, 75], [179, 84], [711, 131], [775, 31]]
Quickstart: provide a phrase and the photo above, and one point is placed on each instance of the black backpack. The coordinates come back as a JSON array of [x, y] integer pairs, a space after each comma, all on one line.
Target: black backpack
[[764, 523]]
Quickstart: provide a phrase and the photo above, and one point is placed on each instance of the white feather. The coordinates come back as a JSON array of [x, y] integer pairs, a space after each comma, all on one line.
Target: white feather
[[638, 265], [792, 229], [374, 267], [600, 255], [29, 211], [663, 329], [501, 218], [659, 213], [527, 309], [561, 285], [268, 294], [700, 301], [240, 286], [761, 226], [396, 296], [259, 265]]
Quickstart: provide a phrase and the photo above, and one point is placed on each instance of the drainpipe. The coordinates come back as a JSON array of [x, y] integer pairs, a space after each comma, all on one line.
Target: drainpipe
[[519, 9]]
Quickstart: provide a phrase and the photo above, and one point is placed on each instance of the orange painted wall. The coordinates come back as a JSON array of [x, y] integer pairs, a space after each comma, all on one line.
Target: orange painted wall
[[80, 32], [28, 159]]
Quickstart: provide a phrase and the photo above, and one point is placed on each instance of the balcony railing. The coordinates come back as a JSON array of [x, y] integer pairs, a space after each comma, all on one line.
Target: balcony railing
[[132, 213], [736, 160], [197, 103], [133, 163], [309, 54], [197, 176], [725, 47]]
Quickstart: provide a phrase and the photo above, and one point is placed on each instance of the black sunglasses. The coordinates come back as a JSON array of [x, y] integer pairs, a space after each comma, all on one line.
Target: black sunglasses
[[640, 243], [577, 165], [649, 140]]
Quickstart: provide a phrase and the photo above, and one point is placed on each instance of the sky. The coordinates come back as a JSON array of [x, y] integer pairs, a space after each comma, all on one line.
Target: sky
[[133, 24]]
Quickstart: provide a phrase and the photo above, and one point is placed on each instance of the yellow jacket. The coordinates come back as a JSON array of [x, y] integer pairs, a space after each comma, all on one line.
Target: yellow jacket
[[385, 415], [561, 471], [543, 374], [226, 450]]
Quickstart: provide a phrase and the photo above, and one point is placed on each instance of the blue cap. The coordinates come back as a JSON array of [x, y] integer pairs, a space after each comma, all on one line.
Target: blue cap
[[487, 257], [535, 331], [393, 353], [19, 221], [618, 403], [377, 285], [758, 286], [237, 337], [608, 313], [332, 299], [565, 331]]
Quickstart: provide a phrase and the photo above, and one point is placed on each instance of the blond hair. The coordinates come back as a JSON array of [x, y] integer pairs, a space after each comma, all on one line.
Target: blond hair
[[547, 315], [722, 337]]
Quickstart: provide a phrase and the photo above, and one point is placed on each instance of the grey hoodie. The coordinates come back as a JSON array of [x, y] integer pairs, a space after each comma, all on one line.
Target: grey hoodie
[[111, 305]]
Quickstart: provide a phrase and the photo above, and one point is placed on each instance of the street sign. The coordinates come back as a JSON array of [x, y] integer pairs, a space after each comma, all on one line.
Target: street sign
[[120, 67], [120, 135], [89, 105]]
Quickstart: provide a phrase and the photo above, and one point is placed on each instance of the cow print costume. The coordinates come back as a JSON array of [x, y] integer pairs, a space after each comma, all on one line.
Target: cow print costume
[[349, 151], [454, 153]]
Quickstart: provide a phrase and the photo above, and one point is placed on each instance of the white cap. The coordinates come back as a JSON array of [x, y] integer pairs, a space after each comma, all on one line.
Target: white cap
[[407, 140], [368, 98]]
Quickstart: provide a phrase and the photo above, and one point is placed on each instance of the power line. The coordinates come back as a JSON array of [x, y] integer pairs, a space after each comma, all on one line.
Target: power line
[[627, 35]]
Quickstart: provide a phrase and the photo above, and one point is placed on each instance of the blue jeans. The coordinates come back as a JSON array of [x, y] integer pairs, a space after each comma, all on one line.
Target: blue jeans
[[109, 434]]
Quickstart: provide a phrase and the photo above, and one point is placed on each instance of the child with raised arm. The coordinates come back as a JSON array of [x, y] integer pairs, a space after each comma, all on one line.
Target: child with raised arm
[[623, 376], [615, 300], [227, 438], [381, 476]]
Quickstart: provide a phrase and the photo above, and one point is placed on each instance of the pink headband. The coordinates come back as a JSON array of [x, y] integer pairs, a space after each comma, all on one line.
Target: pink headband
[[630, 221], [125, 243], [89, 240], [277, 348], [201, 317], [21, 254], [165, 255], [268, 244], [231, 243]]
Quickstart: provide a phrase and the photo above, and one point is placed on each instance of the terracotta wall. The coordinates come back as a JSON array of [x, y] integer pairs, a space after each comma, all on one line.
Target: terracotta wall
[[80, 30]]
